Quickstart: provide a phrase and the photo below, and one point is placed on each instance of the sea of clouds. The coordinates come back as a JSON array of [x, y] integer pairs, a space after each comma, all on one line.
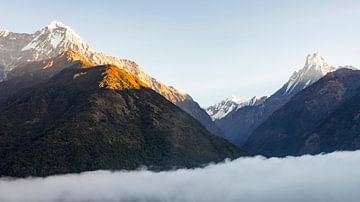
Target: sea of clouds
[[332, 177]]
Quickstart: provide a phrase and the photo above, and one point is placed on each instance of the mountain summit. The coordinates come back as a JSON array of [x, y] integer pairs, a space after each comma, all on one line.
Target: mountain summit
[[315, 67], [55, 38], [240, 124]]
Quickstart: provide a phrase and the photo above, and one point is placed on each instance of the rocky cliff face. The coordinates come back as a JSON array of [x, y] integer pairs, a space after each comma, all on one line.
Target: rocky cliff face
[[55, 38]]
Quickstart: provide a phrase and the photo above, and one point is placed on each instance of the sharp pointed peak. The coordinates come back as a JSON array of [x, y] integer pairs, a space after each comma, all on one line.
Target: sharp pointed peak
[[315, 67], [56, 24], [57, 32], [315, 59]]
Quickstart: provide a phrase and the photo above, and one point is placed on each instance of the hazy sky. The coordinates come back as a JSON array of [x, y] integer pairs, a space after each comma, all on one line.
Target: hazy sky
[[333, 177], [210, 49]]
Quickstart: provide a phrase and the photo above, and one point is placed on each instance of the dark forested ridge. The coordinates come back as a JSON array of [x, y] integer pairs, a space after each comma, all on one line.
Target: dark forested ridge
[[89, 118]]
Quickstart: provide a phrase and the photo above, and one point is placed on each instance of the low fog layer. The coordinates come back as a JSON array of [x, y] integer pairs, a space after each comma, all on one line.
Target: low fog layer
[[322, 178]]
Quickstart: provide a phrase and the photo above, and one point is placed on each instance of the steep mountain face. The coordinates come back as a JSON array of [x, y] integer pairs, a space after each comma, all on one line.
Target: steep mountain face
[[32, 73], [239, 125], [54, 39], [315, 67], [338, 132], [90, 118], [10, 47], [231, 104], [288, 131]]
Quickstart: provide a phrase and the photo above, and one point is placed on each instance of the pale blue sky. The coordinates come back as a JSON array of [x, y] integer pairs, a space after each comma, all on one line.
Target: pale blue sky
[[209, 49]]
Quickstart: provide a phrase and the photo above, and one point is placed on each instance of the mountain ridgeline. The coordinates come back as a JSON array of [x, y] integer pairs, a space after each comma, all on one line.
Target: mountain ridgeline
[[239, 124], [66, 108], [316, 111], [57, 38], [229, 105], [86, 118], [321, 118]]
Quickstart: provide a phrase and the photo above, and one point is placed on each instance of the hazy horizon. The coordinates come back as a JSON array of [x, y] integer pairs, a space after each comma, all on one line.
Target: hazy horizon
[[209, 50]]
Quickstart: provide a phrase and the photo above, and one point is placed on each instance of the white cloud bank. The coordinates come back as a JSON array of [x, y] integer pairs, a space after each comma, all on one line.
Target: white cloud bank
[[333, 177]]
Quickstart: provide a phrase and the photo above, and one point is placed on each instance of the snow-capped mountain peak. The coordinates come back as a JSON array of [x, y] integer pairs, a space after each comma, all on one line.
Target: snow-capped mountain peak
[[315, 67], [233, 103], [235, 99], [56, 38], [68, 32], [56, 24], [224, 107], [317, 62], [56, 35]]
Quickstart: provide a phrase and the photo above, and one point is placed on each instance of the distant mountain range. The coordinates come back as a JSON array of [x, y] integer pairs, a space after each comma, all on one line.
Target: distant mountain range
[[231, 104], [65, 107], [55, 38], [238, 125], [67, 115], [320, 118]]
